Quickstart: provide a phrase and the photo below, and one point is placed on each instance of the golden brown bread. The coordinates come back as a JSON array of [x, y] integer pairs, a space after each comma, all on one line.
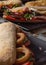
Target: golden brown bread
[[35, 3], [10, 2]]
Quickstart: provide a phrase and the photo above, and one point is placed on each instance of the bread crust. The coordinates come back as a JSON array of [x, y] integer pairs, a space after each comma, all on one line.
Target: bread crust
[[10, 2], [35, 3]]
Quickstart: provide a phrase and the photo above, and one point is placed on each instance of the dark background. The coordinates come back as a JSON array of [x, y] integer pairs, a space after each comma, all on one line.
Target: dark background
[[27, 0]]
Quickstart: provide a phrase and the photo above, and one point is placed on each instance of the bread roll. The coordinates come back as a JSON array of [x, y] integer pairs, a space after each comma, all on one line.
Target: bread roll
[[35, 3], [7, 43]]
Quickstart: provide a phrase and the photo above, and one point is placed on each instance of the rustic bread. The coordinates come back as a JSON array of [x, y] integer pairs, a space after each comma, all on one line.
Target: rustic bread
[[7, 43]]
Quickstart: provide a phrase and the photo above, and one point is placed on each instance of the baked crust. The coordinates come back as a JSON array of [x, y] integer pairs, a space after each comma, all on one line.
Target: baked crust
[[10, 2], [35, 3]]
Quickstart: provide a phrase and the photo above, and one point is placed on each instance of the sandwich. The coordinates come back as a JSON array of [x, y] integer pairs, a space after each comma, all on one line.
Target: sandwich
[[9, 4], [39, 5], [25, 14], [19, 14], [12, 52]]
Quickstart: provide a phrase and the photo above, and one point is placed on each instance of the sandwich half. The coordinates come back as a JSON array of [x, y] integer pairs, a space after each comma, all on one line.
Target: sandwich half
[[26, 14], [9, 4], [21, 14]]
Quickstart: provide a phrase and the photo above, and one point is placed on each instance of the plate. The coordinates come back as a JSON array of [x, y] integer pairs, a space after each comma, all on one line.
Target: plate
[[40, 33]]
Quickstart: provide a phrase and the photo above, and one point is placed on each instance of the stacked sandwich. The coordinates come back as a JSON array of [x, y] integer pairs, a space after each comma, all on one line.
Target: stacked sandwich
[[25, 14], [15, 10], [12, 48], [39, 5]]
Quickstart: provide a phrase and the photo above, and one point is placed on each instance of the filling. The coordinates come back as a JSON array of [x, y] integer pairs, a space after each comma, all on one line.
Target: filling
[[16, 5], [26, 15], [22, 16], [4, 8]]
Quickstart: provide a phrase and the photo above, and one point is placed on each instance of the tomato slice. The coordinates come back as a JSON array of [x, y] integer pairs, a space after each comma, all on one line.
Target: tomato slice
[[27, 43], [22, 19], [38, 19], [8, 17], [28, 63]]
